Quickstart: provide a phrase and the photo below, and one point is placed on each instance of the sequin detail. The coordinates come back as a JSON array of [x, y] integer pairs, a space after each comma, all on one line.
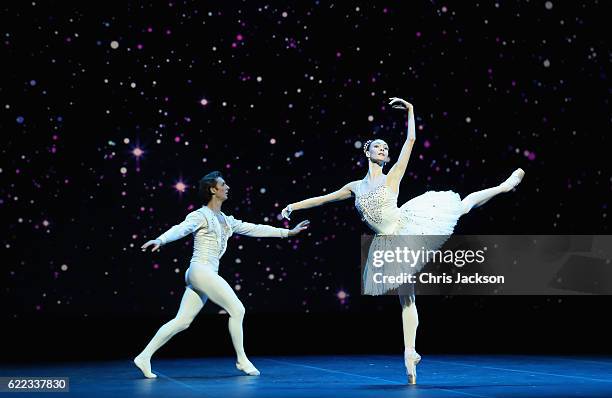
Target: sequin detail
[[224, 228], [369, 205]]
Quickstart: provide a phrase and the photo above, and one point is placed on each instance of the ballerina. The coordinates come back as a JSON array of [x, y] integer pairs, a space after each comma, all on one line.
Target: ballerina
[[211, 229], [432, 213]]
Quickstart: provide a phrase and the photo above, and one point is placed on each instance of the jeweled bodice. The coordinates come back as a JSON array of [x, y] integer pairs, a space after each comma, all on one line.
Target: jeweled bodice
[[378, 208]]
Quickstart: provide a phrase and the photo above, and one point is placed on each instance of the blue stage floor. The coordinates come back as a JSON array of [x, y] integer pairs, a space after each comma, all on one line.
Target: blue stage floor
[[338, 376]]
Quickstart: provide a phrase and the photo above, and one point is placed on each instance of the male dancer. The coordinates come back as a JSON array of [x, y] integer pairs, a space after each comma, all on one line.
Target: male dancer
[[211, 229]]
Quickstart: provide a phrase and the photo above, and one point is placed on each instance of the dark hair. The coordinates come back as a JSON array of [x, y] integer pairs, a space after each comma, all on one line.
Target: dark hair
[[367, 144], [207, 182]]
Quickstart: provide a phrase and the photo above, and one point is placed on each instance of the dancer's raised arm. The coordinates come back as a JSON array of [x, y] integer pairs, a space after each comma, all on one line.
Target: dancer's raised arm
[[395, 175], [343, 193]]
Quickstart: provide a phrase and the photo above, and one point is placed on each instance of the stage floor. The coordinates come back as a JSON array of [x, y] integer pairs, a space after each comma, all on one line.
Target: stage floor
[[338, 376]]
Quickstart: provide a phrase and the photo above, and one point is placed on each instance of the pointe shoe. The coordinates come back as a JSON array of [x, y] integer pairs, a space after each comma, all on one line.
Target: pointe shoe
[[515, 178], [249, 370], [145, 367], [411, 359]]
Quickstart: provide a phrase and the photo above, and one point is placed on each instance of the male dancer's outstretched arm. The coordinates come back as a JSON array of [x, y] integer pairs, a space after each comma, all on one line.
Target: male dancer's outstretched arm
[[265, 231], [194, 221]]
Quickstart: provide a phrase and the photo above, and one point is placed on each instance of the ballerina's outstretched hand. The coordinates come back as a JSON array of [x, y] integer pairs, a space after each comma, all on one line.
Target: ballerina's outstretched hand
[[286, 212]]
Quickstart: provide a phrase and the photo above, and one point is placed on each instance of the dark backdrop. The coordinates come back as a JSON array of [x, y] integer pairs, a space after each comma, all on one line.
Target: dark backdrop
[[110, 113]]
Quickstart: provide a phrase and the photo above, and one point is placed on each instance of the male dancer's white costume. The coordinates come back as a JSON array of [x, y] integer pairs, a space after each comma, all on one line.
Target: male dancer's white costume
[[211, 230]]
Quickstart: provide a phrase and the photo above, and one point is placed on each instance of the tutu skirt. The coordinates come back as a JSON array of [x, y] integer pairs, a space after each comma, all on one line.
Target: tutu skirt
[[425, 223]]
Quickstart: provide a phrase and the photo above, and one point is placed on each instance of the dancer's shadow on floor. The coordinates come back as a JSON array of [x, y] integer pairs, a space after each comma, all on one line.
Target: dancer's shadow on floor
[[396, 387], [213, 377], [195, 377]]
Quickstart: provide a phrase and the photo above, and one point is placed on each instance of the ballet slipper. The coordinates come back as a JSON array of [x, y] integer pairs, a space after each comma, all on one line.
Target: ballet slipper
[[145, 366], [411, 359], [512, 181], [249, 369]]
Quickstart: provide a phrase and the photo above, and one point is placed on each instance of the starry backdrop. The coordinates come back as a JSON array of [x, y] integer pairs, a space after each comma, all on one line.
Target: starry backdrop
[[111, 112]]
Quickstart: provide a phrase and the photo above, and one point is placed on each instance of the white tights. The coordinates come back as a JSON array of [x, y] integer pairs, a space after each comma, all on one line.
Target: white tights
[[479, 198], [410, 321], [204, 283], [410, 316]]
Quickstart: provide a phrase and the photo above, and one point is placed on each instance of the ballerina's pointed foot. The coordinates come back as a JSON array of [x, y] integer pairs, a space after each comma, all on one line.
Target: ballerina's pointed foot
[[411, 359], [515, 178], [248, 368], [144, 365]]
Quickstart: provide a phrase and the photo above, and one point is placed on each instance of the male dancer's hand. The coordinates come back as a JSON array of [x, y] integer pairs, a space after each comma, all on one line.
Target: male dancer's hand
[[299, 228], [156, 243]]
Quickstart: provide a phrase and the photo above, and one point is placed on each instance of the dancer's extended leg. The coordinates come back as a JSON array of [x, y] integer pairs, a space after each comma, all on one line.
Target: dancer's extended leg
[[191, 304], [479, 198], [219, 291]]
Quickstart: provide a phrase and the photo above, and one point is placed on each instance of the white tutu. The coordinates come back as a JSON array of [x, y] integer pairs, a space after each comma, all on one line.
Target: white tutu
[[433, 213], [423, 223]]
